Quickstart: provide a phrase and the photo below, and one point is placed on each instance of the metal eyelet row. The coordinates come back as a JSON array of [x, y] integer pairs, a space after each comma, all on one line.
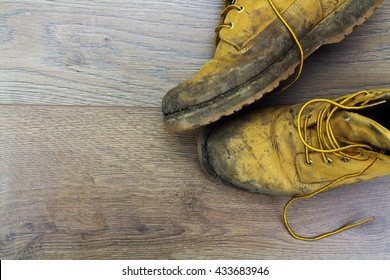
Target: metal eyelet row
[[328, 162], [242, 8]]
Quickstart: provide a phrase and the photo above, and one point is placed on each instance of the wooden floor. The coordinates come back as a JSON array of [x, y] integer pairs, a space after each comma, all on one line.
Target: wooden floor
[[87, 170]]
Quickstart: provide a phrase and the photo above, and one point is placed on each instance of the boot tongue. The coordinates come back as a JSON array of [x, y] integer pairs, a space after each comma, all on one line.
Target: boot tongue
[[360, 129]]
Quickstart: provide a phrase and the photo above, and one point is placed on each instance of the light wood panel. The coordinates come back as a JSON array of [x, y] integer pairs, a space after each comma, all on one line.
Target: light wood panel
[[101, 52], [131, 52]]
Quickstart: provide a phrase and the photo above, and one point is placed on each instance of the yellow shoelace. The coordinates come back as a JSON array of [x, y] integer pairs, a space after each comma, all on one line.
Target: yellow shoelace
[[230, 25], [222, 24], [329, 144]]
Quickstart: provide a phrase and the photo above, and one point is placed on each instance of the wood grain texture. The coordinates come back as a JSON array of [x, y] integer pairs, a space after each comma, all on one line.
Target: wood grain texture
[[106, 181], [131, 52], [111, 183], [101, 52]]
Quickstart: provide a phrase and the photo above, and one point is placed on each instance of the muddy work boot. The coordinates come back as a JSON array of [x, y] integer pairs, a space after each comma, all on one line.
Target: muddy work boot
[[258, 44], [301, 150]]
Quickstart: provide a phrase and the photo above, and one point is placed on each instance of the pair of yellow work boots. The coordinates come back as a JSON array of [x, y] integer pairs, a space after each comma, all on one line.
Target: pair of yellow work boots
[[296, 150]]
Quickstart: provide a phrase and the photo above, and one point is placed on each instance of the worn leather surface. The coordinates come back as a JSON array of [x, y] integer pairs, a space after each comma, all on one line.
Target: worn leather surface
[[261, 151], [258, 34]]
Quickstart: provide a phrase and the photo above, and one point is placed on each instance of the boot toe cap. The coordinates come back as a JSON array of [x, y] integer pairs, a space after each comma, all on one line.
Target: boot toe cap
[[228, 160]]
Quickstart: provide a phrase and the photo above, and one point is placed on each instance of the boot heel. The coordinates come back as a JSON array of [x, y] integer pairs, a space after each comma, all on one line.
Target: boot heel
[[341, 22]]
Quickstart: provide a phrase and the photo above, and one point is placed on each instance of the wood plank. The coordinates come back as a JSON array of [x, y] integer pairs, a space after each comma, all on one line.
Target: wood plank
[[101, 53], [131, 52], [110, 183]]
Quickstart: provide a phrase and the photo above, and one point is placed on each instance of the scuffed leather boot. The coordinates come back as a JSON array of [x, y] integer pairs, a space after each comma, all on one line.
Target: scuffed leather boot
[[302, 150], [258, 45]]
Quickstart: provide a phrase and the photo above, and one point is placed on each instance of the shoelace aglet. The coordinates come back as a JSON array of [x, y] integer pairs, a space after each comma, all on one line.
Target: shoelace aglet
[[302, 238], [335, 231], [321, 236], [342, 229], [363, 221], [366, 105]]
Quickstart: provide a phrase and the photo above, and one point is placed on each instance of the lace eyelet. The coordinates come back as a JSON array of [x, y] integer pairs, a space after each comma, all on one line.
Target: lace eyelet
[[328, 161], [231, 26], [241, 9], [344, 159], [309, 163]]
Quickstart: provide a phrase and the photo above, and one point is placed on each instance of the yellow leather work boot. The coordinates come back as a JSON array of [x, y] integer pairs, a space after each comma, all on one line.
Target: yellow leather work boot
[[301, 150], [258, 45]]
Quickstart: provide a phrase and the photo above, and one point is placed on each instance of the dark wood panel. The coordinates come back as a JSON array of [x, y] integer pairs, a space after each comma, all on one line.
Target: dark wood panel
[[106, 182]]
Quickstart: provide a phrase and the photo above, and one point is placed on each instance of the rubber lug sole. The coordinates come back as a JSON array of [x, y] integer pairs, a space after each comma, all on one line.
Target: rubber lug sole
[[332, 29]]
